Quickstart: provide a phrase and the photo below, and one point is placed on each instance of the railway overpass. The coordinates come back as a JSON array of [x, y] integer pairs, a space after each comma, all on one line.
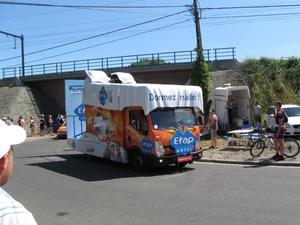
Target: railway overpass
[[166, 68]]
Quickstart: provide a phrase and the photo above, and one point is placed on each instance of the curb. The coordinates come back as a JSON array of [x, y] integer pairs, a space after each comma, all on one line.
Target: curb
[[256, 163]]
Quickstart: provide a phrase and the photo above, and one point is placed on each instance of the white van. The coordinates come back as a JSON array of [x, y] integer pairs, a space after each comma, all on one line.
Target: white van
[[293, 114]]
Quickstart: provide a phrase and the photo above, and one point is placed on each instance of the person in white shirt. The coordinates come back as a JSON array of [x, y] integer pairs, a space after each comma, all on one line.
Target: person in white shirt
[[11, 211], [257, 109]]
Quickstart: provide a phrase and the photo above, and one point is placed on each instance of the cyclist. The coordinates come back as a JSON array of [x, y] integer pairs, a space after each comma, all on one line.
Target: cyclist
[[279, 130]]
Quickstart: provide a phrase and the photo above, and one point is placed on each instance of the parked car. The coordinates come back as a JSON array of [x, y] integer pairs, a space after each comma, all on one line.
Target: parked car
[[293, 114], [62, 131]]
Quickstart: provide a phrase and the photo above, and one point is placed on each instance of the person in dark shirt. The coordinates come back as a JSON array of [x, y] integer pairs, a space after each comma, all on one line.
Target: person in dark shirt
[[42, 125], [279, 130]]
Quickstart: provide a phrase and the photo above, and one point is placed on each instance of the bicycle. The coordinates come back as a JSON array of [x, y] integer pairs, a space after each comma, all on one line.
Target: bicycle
[[265, 140]]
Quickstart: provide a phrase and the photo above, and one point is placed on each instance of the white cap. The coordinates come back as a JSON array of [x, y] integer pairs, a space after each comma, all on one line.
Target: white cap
[[10, 135]]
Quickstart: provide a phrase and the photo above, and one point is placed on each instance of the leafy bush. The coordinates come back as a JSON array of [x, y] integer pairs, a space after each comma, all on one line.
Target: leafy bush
[[271, 79]]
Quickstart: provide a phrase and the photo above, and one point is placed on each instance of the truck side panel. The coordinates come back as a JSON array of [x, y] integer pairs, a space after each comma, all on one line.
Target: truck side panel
[[104, 134]]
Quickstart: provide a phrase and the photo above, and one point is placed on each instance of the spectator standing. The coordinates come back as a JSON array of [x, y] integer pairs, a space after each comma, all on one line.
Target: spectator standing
[[32, 126], [57, 123], [11, 211], [50, 125], [279, 130], [42, 125], [213, 123], [21, 122], [8, 121], [231, 105], [257, 109]]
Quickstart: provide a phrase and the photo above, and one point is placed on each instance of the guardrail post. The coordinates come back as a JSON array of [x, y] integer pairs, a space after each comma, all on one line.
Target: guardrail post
[[232, 53], [208, 55], [122, 62], [56, 67], [174, 57], [60, 67], [102, 63], [88, 64], [158, 59], [44, 69], [74, 66], [216, 57], [137, 60]]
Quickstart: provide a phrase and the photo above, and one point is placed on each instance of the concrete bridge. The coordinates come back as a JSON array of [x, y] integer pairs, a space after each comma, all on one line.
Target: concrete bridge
[[46, 82]]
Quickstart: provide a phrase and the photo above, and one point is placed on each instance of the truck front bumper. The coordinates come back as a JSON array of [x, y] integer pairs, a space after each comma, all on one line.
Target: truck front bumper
[[174, 159]]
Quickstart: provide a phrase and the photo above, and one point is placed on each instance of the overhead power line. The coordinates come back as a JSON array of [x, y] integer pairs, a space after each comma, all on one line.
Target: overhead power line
[[256, 15], [108, 42], [95, 36], [90, 6], [250, 7]]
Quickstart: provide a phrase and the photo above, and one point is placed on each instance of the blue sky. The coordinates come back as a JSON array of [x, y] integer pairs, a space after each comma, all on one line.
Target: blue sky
[[254, 36]]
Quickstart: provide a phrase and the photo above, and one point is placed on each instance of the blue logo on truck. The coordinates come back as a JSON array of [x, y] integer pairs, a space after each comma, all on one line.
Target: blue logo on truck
[[80, 112], [183, 141], [102, 96], [147, 145]]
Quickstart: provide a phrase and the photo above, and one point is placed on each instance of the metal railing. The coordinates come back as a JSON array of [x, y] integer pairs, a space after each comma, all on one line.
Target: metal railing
[[156, 59], [224, 53]]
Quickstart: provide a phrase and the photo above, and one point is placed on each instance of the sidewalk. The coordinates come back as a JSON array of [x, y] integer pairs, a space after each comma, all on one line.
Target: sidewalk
[[241, 155], [28, 139]]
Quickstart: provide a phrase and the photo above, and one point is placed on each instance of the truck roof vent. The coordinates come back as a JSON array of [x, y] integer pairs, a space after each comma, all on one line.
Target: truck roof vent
[[120, 77], [96, 76], [227, 85]]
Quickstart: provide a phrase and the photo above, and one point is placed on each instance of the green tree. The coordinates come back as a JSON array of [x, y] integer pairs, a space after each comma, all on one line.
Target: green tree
[[148, 62], [200, 76]]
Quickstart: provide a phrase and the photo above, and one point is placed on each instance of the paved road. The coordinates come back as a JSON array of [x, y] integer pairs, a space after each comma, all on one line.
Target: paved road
[[60, 186]]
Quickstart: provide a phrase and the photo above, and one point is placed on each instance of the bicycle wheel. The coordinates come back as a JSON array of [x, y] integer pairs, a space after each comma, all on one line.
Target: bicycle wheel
[[257, 148], [291, 147]]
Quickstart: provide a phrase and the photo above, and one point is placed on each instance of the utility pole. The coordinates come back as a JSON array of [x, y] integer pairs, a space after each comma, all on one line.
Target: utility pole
[[22, 49], [197, 22]]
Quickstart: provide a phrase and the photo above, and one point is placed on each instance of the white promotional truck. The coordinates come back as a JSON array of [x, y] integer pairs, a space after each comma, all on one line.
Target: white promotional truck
[[143, 124]]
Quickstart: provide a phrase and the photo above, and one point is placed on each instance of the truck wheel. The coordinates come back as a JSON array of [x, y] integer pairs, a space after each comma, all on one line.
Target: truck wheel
[[201, 154], [137, 161]]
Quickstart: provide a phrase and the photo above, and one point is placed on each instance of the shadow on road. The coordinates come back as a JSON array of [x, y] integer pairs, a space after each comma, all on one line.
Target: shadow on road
[[79, 167]]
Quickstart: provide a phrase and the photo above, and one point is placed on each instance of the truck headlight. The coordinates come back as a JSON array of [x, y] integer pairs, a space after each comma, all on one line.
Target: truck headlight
[[159, 148]]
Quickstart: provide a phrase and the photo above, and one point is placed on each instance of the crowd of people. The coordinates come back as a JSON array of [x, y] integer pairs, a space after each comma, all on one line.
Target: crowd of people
[[256, 120], [42, 125]]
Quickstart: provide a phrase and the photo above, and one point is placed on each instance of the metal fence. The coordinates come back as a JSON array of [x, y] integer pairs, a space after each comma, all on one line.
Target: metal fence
[[155, 59]]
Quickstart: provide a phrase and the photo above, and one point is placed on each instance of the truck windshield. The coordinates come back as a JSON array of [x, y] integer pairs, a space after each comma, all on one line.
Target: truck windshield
[[172, 118]]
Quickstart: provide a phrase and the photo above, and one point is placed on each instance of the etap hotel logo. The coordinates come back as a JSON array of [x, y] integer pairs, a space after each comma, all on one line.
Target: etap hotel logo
[[80, 112], [183, 141], [102, 96], [147, 145]]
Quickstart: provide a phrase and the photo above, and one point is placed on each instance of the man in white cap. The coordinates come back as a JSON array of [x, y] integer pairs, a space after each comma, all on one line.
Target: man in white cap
[[11, 211]]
